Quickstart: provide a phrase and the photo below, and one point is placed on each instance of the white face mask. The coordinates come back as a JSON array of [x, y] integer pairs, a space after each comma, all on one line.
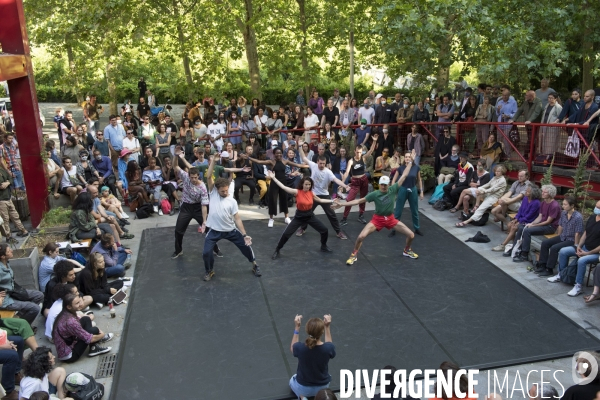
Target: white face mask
[[83, 158], [385, 130], [363, 127], [119, 122], [215, 121], [383, 101], [405, 105], [99, 158]]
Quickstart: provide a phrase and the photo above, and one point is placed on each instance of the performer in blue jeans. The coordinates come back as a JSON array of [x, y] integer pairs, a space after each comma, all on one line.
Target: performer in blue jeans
[[408, 191], [587, 251], [224, 222]]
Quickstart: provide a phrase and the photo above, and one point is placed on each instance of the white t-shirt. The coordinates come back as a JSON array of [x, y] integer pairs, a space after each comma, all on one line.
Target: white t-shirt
[[222, 209], [321, 178], [31, 385], [52, 314], [215, 130], [132, 144], [259, 121], [311, 121], [366, 114], [65, 181]]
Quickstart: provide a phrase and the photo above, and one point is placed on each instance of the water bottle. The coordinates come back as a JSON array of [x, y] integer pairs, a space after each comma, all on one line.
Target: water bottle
[[129, 258]]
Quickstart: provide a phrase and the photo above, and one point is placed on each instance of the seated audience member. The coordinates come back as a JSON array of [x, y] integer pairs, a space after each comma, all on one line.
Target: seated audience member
[[58, 293], [40, 375], [490, 193], [94, 283], [148, 154], [115, 257], [591, 389], [313, 356], [586, 251], [325, 394], [83, 224], [111, 204], [462, 177], [73, 335], [54, 172], [479, 178], [545, 223], [137, 188], [51, 257], [570, 229], [104, 167], [511, 201], [152, 177], [11, 354], [170, 184], [12, 296], [69, 183], [448, 165], [443, 151], [260, 175], [72, 149], [382, 163], [64, 272], [528, 212], [491, 150], [19, 327]]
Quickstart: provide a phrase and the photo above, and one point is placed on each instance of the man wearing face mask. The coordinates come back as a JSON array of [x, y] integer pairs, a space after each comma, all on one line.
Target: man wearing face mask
[[216, 131], [384, 113], [366, 112], [105, 169], [362, 133]]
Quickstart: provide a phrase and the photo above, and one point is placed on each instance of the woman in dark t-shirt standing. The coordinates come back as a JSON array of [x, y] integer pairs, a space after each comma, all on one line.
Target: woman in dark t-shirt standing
[[313, 356]]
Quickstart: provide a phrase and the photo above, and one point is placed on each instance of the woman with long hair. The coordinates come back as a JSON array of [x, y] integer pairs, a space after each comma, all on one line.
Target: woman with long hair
[[299, 116], [83, 224], [304, 212], [163, 141], [137, 189], [233, 130], [93, 281], [491, 150], [313, 356], [484, 113], [355, 107], [73, 335], [40, 375], [254, 107], [170, 185], [528, 212]]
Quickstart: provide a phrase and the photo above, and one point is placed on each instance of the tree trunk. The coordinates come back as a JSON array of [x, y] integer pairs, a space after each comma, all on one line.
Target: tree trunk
[[303, 55], [183, 51], [74, 81], [112, 87], [445, 56], [251, 52]]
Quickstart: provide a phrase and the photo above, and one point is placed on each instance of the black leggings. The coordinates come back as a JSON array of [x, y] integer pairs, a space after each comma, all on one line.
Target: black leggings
[[80, 346], [275, 191], [187, 212], [239, 181], [297, 222], [103, 297]]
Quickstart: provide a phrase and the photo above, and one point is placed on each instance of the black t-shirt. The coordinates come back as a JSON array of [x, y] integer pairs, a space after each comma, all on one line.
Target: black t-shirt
[[173, 129], [143, 109], [582, 392], [592, 233], [332, 156], [331, 114], [411, 180], [313, 363], [144, 163]]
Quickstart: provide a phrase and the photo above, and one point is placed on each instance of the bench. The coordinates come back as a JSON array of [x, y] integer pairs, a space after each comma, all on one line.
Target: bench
[[7, 314], [512, 215]]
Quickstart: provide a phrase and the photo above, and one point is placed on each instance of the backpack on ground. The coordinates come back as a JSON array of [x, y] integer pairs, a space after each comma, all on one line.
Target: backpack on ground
[[568, 274], [165, 206], [82, 386], [482, 221], [440, 205], [144, 211]]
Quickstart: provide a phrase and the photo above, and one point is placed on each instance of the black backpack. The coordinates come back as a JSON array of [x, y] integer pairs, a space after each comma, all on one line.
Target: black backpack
[[442, 205], [144, 211], [568, 274], [482, 221], [78, 390]]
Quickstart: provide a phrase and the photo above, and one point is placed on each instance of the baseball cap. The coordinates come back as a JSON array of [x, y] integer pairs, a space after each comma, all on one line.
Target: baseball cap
[[379, 95], [224, 154], [363, 121], [384, 180]]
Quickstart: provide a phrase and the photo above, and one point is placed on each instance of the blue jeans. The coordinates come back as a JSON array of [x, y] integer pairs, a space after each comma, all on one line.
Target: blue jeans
[[119, 269], [306, 391], [11, 363], [567, 252], [18, 180], [233, 236]]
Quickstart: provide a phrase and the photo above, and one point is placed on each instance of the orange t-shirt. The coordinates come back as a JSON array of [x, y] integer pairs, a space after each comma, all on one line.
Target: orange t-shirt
[[304, 200]]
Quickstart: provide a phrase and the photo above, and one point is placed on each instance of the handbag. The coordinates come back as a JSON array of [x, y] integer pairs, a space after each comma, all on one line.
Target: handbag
[[18, 293], [514, 135], [572, 148], [517, 247]]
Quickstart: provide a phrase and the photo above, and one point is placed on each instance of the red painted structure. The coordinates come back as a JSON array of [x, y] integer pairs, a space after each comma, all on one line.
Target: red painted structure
[[16, 68]]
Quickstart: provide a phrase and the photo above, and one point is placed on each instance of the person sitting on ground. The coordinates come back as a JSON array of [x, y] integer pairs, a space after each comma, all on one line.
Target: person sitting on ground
[[11, 354], [83, 224], [137, 189], [170, 183], [73, 335], [51, 257], [148, 154], [448, 165], [304, 212], [528, 212], [462, 177], [69, 184], [19, 327], [64, 272], [586, 251], [12, 296], [479, 178], [511, 201], [40, 374], [491, 150], [58, 293], [93, 281], [115, 257], [111, 203], [72, 148], [85, 168], [103, 216], [313, 356], [545, 224], [152, 177], [490, 192], [570, 229]]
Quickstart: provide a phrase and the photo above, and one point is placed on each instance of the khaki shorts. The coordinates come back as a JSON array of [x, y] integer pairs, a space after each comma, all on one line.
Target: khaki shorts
[[514, 206]]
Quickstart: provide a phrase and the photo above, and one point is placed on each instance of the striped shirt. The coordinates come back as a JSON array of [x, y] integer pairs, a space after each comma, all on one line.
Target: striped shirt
[[570, 226], [192, 194]]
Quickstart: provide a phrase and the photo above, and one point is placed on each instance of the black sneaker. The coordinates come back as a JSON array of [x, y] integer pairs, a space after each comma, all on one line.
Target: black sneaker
[[124, 221], [546, 272], [106, 338], [343, 222], [96, 350], [217, 253], [521, 258], [362, 219], [418, 232], [325, 249], [176, 254], [275, 255], [256, 271], [208, 276]]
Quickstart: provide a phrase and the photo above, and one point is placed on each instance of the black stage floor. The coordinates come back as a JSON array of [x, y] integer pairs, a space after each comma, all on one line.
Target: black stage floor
[[230, 338]]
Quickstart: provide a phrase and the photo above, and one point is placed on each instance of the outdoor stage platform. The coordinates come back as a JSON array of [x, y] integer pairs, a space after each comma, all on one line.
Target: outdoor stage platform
[[230, 338]]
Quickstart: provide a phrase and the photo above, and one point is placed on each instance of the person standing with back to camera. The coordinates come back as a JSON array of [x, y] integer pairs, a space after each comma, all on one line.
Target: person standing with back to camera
[[313, 356]]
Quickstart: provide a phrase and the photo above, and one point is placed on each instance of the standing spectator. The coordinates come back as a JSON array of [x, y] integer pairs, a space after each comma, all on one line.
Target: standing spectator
[[101, 144], [421, 114], [464, 106], [506, 108], [143, 109], [384, 113], [311, 120], [543, 92], [445, 113], [571, 107], [27, 305], [151, 99], [347, 117], [8, 212], [300, 98], [367, 112], [483, 113], [142, 87], [10, 152], [91, 113], [114, 135], [588, 115], [330, 114], [415, 142], [549, 135], [336, 99], [443, 151], [316, 103], [66, 127]]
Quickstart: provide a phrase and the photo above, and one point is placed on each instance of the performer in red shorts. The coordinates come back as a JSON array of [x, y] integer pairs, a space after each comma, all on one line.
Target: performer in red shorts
[[384, 199]]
